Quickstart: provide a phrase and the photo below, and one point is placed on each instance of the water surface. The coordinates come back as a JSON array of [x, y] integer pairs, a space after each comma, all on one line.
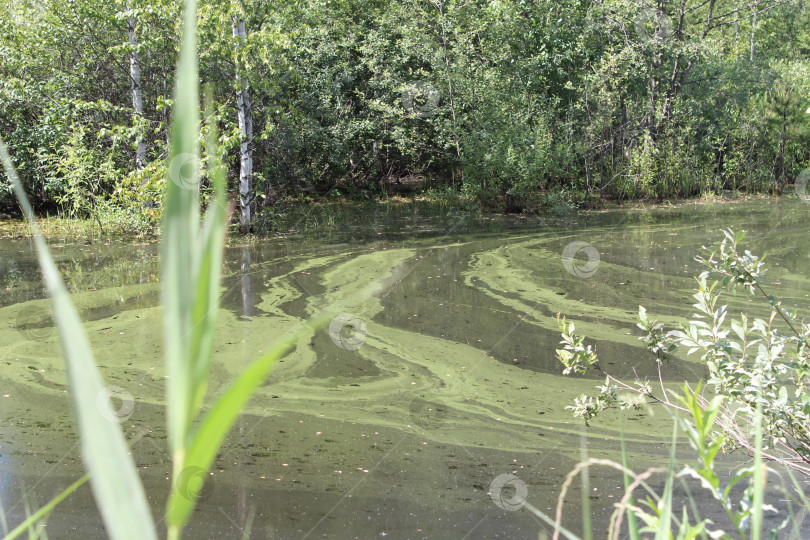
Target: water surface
[[394, 422]]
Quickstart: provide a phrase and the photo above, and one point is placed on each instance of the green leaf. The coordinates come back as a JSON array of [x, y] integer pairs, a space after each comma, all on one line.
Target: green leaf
[[689, 532], [642, 314], [219, 419], [43, 512], [114, 479], [707, 478], [742, 474], [180, 221], [665, 504]]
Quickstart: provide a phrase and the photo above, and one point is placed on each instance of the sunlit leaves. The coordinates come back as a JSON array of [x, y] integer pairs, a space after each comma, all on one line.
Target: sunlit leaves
[[575, 356]]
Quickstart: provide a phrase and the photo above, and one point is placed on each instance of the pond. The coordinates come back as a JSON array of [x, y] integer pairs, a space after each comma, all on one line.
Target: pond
[[439, 376]]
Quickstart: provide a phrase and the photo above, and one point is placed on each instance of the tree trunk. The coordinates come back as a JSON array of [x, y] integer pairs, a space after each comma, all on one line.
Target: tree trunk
[[245, 112], [137, 95], [755, 9], [440, 6]]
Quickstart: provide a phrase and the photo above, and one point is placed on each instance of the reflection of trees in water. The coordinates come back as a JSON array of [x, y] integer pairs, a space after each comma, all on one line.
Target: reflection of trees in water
[[82, 267], [248, 294], [244, 511]]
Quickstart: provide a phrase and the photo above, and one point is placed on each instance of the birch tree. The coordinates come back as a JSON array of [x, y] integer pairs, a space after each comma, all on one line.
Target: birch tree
[[245, 114], [135, 82]]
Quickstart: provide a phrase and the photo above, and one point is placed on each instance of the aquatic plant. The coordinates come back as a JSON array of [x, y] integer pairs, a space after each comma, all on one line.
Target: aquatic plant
[[657, 513], [755, 365], [759, 374]]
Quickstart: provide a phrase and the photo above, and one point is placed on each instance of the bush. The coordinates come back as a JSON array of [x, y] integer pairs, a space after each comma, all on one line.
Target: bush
[[759, 367]]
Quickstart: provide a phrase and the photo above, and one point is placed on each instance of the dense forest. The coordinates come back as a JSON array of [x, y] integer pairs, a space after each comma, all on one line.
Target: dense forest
[[567, 100]]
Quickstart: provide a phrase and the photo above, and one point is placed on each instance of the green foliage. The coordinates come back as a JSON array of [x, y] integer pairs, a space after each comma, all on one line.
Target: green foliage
[[78, 176], [658, 516], [576, 357], [557, 100], [562, 201], [579, 358], [191, 261], [759, 375], [759, 369], [758, 364], [655, 339]]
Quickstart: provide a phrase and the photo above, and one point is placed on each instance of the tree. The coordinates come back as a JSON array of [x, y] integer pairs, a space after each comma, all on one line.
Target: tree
[[245, 113], [135, 77]]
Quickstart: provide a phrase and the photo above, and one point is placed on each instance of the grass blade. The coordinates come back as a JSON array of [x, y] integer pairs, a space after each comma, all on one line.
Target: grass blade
[[219, 419], [758, 478], [665, 504], [192, 259], [114, 479], [587, 532], [206, 300], [45, 510], [180, 225], [204, 314], [632, 523]]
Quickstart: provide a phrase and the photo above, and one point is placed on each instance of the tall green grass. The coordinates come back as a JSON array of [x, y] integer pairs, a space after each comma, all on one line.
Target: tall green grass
[[114, 479], [191, 261]]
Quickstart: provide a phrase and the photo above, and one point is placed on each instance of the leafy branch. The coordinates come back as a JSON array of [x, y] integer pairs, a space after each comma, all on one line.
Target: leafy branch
[[755, 366]]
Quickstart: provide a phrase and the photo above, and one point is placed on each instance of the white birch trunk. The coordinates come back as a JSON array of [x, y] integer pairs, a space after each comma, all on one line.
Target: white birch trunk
[[245, 112], [137, 95], [754, 9]]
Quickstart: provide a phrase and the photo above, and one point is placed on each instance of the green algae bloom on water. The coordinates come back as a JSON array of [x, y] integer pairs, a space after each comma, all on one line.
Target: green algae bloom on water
[[452, 383]]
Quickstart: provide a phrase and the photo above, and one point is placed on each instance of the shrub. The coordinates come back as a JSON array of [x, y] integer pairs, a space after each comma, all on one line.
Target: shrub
[[757, 366]]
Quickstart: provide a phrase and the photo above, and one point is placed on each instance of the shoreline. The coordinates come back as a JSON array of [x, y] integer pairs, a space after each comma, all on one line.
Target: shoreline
[[88, 230]]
